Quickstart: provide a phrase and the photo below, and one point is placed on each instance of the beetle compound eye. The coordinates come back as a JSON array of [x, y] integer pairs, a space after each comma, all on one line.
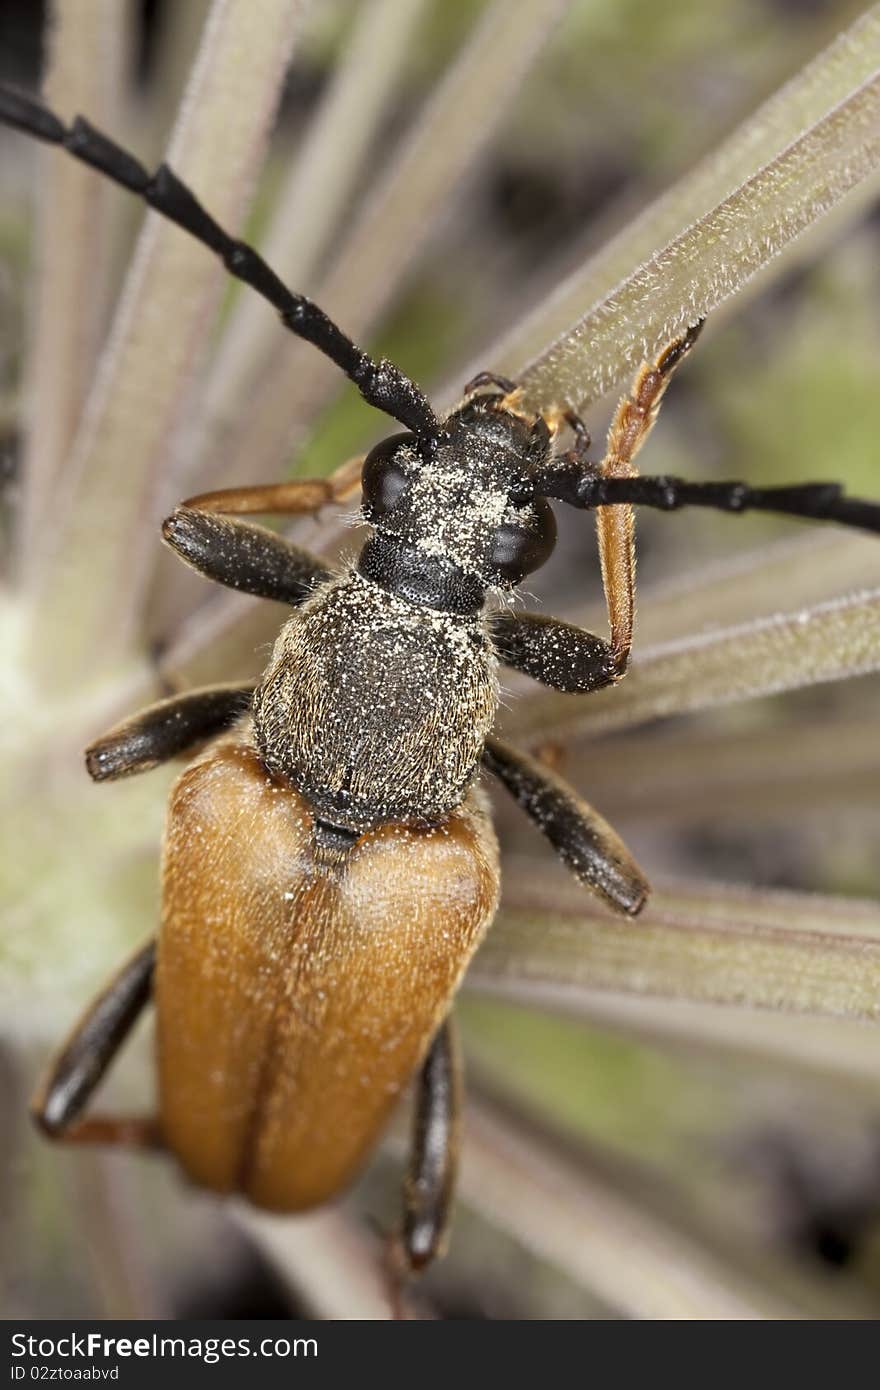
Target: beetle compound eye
[[518, 550], [384, 478]]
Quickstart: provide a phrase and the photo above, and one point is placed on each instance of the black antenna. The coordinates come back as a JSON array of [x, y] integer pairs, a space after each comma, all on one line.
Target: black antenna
[[582, 488], [380, 383]]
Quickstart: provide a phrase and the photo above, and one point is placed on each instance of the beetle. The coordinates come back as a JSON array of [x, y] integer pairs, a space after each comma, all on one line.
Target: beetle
[[329, 862]]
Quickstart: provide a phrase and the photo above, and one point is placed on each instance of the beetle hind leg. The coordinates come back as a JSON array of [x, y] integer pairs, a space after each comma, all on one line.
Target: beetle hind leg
[[77, 1069], [430, 1181]]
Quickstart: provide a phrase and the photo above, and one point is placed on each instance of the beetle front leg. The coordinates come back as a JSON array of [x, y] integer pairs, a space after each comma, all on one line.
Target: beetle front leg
[[242, 556], [430, 1182], [251, 558], [632, 423], [584, 841], [79, 1066], [298, 497]]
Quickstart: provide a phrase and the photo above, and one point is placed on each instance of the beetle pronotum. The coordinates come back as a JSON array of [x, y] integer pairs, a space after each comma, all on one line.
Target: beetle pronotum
[[330, 864]]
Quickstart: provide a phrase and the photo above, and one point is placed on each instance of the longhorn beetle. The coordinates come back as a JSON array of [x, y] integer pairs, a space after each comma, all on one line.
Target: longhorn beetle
[[329, 861]]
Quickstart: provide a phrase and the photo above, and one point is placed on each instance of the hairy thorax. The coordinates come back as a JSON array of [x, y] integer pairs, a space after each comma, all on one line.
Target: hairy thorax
[[376, 709]]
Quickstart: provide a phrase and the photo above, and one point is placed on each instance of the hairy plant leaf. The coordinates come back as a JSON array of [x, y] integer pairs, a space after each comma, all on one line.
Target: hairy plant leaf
[[452, 132], [827, 642], [717, 251], [85, 612], [89, 51], [583, 1217], [309, 212], [783, 951]]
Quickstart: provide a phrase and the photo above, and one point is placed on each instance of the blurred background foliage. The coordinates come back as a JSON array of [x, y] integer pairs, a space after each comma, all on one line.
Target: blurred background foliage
[[758, 1145]]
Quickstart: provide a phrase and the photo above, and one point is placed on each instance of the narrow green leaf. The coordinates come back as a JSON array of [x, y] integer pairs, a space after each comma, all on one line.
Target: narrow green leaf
[[785, 768], [721, 249], [813, 566], [788, 952], [831, 641], [310, 208], [89, 47], [326, 1259], [586, 1218], [451, 134], [90, 587], [828, 79]]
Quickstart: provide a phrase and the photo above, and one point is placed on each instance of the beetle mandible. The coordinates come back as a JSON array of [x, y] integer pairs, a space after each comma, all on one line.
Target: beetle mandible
[[329, 861]]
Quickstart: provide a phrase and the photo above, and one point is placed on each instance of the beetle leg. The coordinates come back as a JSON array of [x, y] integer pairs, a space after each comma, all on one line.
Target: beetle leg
[[242, 556], [632, 423], [86, 1055], [430, 1181], [614, 487], [250, 558], [490, 379], [630, 427], [292, 498], [581, 837], [165, 730], [582, 440], [557, 654], [111, 1131]]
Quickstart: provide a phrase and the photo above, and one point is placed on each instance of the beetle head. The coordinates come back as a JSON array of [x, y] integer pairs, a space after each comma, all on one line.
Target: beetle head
[[465, 495]]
